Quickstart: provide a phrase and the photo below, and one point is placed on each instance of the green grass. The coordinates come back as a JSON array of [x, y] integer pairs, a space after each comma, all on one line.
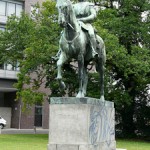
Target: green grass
[[133, 144], [40, 141], [23, 142]]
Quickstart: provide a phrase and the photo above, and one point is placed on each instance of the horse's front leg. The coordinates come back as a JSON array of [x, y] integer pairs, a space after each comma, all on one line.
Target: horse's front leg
[[81, 75], [62, 59]]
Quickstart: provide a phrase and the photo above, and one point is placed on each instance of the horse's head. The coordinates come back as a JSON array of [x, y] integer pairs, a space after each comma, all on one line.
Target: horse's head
[[63, 7]]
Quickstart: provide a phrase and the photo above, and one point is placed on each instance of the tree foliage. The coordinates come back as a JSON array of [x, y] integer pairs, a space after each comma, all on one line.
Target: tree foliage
[[128, 61], [32, 40]]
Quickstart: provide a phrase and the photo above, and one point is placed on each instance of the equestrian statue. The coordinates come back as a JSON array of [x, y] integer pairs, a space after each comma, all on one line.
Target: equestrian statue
[[79, 41]]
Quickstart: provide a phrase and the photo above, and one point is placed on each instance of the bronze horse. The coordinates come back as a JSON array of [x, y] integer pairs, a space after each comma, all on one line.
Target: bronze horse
[[74, 43]]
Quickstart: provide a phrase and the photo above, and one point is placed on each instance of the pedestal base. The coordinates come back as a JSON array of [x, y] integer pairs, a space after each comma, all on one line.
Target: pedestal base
[[81, 124], [100, 146]]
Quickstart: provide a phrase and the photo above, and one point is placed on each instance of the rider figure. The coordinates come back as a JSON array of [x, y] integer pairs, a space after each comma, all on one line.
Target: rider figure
[[86, 13]]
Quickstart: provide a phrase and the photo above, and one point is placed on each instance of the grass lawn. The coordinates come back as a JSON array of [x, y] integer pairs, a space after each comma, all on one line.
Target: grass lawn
[[39, 142], [23, 142], [133, 144]]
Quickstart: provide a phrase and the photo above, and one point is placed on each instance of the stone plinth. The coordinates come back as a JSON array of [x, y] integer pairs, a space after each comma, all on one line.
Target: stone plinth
[[81, 124]]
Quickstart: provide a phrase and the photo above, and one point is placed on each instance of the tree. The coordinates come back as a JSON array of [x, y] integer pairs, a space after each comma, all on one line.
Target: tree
[[128, 69], [32, 41]]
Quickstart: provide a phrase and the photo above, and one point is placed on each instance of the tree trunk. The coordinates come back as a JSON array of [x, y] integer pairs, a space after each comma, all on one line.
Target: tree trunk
[[128, 111], [128, 127]]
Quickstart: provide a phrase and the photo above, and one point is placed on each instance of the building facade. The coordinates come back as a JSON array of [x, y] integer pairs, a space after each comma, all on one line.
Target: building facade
[[10, 109]]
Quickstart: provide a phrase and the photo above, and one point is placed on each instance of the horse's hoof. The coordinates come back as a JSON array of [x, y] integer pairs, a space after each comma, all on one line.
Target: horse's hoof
[[62, 85], [80, 94], [59, 78], [102, 99]]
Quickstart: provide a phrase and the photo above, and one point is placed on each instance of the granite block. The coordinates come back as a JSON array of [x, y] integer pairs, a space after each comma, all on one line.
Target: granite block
[[81, 124]]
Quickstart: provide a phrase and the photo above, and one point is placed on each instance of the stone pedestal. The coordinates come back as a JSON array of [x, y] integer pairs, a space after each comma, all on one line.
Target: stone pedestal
[[81, 124]]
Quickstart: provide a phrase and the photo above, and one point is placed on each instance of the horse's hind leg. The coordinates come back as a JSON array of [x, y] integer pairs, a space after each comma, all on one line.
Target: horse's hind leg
[[100, 69], [85, 79], [81, 75], [100, 61]]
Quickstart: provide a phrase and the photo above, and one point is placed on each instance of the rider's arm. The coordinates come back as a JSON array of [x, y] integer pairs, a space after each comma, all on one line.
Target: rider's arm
[[92, 15]]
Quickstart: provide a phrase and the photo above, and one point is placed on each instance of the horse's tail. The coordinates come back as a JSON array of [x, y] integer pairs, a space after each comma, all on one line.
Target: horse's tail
[[100, 62], [101, 48]]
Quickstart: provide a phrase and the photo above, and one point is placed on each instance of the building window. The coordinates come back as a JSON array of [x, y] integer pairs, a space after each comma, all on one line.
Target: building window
[[2, 28], [19, 9], [34, 11], [8, 8], [1, 66], [38, 116], [10, 67], [2, 8]]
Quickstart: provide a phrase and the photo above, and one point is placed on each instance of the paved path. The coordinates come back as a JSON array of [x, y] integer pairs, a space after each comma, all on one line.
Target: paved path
[[24, 131]]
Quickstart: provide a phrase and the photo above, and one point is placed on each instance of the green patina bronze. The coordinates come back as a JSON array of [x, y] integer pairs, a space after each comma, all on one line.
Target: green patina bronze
[[79, 41]]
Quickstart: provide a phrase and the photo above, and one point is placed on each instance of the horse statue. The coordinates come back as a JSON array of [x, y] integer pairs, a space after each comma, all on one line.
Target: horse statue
[[74, 44]]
